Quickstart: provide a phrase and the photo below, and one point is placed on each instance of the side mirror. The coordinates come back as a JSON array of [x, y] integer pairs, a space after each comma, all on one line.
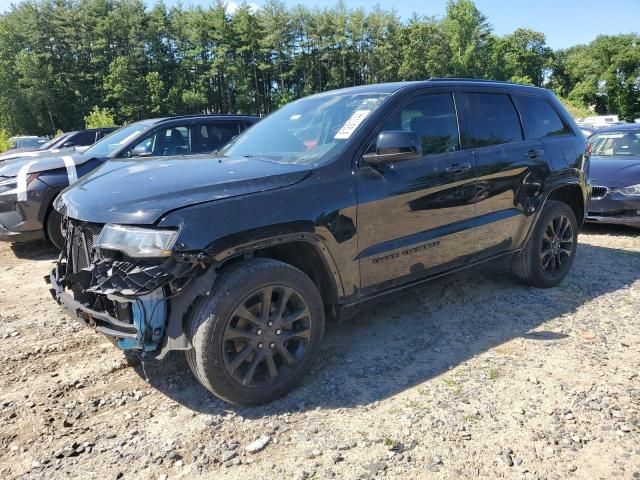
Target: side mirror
[[67, 145], [140, 152], [394, 146]]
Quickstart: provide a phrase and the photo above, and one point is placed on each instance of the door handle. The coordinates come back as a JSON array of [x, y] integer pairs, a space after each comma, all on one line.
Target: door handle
[[534, 153], [458, 168]]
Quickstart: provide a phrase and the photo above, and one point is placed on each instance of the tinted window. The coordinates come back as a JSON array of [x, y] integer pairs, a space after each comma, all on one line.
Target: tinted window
[[82, 139], [539, 118], [164, 142], [493, 120], [205, 138], [433, 118]]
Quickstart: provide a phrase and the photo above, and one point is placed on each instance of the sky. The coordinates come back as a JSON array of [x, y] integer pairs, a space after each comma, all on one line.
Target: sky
[[564, 22]]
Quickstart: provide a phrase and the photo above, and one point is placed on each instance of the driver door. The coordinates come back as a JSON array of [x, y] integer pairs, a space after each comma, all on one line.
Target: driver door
[[416, 217]]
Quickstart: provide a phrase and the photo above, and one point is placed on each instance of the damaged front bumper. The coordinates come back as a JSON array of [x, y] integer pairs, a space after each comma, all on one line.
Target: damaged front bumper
[[139, 305]]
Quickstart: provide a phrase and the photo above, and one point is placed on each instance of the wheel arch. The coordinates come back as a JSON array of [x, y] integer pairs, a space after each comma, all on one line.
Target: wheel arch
[[304, 251], [571, 194]]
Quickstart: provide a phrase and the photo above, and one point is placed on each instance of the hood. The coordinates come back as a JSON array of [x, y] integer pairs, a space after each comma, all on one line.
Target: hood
[[139, 192], [614, 171], [15, 153], [39, 163]]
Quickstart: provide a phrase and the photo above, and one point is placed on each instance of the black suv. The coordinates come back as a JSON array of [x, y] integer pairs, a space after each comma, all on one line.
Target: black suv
[[329, 202], [29, 185]]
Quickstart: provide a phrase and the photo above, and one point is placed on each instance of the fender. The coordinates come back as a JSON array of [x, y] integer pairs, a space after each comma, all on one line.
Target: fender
[[233, 250], [175, 338], [547, 191]]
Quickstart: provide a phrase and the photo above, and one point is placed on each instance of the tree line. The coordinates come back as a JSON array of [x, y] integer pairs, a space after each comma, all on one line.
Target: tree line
[[62, 60]]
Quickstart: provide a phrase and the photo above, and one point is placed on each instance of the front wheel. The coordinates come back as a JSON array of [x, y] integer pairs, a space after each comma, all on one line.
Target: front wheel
[[549, 253], [255, 337]]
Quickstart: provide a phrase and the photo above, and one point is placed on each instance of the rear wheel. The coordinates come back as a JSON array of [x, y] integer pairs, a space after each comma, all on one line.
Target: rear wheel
[[256, 336], [54, 227], [549, 253]]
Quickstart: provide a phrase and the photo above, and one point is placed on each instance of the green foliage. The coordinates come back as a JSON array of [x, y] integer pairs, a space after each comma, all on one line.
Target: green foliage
[[575, 109], [4, 140], [99, 118], [60, 59]]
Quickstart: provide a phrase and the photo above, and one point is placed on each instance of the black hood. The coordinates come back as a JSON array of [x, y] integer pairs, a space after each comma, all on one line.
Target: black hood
[[139, 192], [614, 171]]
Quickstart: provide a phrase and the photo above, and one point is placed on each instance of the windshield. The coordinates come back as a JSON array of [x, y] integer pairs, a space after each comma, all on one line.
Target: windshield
[[622, 143], [309, 130], [115, 140]]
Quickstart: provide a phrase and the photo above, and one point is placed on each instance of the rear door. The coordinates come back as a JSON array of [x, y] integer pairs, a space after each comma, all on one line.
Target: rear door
[[542, 122], [508, 167], [416, 217]]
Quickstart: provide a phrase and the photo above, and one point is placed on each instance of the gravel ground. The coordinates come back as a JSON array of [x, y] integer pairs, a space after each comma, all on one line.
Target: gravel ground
[[472, 375]]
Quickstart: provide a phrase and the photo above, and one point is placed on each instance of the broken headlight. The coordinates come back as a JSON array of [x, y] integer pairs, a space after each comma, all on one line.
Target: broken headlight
[[137, 242]]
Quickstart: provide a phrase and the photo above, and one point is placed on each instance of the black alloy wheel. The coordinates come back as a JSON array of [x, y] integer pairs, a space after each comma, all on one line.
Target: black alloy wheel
[[549, 253], [267, 336], [256, 335], [557, 245]]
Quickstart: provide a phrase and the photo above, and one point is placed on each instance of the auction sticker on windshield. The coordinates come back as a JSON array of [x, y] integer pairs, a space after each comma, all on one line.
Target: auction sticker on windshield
[[350, 125]]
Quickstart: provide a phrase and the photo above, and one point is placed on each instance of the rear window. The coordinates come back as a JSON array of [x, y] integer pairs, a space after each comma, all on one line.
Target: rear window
[[539, 117], [493, 120]]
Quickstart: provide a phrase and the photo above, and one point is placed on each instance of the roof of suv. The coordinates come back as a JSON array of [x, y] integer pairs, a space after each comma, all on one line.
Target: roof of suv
[[395, 86], [156, 121]]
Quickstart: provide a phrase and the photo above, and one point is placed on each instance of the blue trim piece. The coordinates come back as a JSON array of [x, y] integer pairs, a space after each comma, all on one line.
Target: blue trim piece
[[149, 330]]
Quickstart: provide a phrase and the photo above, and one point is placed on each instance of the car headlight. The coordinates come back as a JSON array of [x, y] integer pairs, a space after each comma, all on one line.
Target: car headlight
[[632, 190], [137, 242]]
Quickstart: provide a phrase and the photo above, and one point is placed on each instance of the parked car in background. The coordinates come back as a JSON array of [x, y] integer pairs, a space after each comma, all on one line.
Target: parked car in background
[[332, 201], [28, 186], [615, 175], [26, 142], [78, 140], [588, 131]]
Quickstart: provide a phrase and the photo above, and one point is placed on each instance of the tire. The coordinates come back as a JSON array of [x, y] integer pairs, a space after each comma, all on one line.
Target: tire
[[535, 267], [54, 230], [232, 321]]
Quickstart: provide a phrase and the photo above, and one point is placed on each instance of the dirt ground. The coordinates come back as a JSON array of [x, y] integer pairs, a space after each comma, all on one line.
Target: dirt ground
[[470, 376]]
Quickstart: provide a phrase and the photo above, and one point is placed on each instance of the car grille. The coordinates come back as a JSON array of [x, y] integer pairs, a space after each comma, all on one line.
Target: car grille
[[80, 241], [598, 192]]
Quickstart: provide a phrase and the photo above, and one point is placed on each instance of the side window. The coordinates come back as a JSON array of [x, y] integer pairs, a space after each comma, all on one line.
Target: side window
[[82, 139], [164, 142], [539, 117], [207, 137], [433, 118], [492, 120]]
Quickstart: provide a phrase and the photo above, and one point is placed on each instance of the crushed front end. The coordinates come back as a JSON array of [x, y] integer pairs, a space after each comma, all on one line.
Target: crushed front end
[[139, 303]]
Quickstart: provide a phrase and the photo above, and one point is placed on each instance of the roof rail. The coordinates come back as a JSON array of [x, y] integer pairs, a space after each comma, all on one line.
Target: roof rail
[[199, 115], [463, 79]]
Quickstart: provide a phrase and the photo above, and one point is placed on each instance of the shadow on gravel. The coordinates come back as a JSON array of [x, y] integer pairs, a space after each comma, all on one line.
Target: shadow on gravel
[[36, 250], [412, 339]]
